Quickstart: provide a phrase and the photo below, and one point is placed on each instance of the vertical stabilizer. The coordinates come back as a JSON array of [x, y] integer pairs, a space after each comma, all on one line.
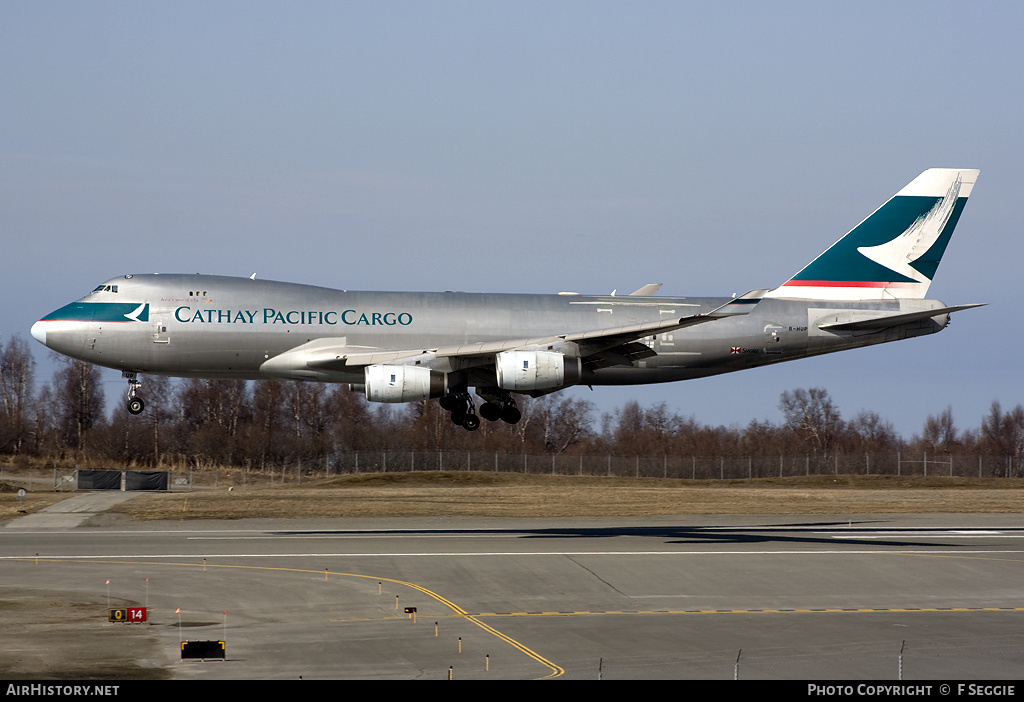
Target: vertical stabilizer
[[893, 254]]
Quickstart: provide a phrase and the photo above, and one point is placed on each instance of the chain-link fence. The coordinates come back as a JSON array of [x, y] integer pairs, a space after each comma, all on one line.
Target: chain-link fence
[[667, 466], [664, 466]]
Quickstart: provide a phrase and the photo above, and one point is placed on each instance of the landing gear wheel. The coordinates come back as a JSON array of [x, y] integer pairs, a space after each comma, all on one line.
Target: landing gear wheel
[[491, 411], [511, 414], [135, 403], [462, 409]]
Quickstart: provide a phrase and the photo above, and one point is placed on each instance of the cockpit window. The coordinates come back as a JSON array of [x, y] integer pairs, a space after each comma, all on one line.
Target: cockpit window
[[106, 288]]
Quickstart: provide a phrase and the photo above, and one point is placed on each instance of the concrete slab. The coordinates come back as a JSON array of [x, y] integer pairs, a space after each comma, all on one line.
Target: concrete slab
[[72, 512]]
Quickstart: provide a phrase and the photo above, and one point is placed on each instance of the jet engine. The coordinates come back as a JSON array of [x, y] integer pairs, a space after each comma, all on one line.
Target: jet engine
[[404, 383], [523, 371]]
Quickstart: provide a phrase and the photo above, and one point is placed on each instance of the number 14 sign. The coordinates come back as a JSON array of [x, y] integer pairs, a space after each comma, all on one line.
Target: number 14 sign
[[128, 614]]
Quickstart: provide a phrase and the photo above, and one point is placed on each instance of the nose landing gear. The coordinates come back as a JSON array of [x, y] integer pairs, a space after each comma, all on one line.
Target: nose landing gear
[[135, 403]]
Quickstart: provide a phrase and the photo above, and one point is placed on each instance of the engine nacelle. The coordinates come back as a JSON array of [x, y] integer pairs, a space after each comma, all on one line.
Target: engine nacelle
[[523, 371], [403, 383]]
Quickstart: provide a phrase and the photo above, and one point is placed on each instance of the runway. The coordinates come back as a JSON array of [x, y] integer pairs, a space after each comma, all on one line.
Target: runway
[[671, 597]]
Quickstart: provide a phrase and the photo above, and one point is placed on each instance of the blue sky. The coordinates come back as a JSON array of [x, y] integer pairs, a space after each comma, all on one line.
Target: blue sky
[[522, 147]]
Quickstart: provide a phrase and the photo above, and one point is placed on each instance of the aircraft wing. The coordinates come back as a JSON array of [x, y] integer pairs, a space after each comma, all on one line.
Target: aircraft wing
[[598, 348]]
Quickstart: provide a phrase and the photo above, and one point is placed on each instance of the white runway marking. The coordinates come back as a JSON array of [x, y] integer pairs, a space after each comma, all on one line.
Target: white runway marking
[[506, 554]]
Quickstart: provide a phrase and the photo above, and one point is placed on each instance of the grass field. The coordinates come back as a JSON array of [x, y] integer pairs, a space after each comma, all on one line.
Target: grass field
[[490, 494]]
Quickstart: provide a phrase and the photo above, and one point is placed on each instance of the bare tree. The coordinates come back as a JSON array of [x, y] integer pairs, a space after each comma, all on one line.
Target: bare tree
[[869, 432], [212, 414], [762, 439], [940, 432], [351, 423], [16, 372], [629, 433], [308, 421], [562, 424], [1002, 433], [267, 437], [813, 417], [78, 400]]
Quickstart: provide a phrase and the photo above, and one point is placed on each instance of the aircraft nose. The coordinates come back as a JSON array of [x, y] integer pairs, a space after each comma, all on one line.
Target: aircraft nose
[[39, 332]]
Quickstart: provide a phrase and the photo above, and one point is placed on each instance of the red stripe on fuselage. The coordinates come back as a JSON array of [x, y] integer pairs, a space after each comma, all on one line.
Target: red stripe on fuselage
[[844, 284]]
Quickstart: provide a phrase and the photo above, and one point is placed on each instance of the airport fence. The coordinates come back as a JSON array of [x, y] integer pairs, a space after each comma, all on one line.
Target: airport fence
[[663, 466], [666, 466], [704, 468]]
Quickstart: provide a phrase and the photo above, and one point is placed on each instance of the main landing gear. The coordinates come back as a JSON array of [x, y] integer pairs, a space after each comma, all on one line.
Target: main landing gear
[[463, 410], [135, 403], [504, 408]]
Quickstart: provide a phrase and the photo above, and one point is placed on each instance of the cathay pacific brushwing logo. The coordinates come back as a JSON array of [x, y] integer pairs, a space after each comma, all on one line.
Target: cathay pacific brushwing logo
[[900, 253], [141, 309]]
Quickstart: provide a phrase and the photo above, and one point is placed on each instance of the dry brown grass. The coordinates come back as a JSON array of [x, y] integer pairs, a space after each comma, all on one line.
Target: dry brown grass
[[516, 495], [451, 493], [10, 506]]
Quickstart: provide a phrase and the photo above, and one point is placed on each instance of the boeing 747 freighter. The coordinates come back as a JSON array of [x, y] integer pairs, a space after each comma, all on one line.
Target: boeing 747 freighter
[[868, 288]]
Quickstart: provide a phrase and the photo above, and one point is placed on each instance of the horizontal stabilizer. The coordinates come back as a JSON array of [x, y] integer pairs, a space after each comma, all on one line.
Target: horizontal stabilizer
[[880, 322]]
